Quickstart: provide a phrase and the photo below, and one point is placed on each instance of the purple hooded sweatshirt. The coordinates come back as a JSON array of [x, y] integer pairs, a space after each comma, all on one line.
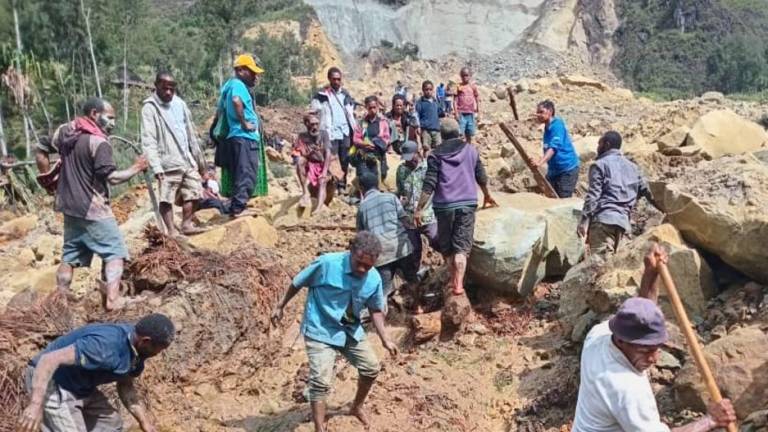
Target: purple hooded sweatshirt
[[454, 170]]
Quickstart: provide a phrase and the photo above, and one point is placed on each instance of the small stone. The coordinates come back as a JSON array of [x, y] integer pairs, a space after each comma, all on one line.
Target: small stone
[[668, 361]]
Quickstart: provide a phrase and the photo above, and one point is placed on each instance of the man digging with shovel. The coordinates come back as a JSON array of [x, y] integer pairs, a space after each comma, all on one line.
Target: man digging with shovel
[[615, 394]]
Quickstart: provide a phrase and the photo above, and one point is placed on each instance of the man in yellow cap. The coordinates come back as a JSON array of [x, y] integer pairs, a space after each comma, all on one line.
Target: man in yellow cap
[[239, 153]]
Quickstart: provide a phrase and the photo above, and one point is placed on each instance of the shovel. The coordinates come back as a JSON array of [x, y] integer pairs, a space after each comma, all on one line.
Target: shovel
[[148, 182], [693, 341]]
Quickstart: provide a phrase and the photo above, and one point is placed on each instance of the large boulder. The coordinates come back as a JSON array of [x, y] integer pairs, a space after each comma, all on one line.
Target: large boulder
[[594, 289], [724, 132], [722, 206], [586, 147], [524, 239], [582, 81], [739, 362], [242, 231], [673, 139]]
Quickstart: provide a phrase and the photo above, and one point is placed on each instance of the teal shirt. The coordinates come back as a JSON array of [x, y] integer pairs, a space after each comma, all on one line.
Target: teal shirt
[[235, 87], [336, 297]]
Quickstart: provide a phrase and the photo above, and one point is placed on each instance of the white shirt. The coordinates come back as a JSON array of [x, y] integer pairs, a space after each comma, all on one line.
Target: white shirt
[[339, 125], [613, 395]]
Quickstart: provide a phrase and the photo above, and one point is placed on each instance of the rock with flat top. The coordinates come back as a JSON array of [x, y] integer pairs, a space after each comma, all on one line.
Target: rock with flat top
[[724, 132], [673, 139], [722, 207], [244, 231], [523, 240], [582, 81]]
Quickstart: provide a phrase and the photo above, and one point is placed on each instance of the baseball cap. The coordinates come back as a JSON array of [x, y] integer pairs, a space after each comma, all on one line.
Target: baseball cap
[[246, 60], [408, 150], [639, 321]]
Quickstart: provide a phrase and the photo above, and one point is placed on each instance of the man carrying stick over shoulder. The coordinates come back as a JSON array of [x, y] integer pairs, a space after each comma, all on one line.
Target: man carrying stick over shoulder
[[615, 394]]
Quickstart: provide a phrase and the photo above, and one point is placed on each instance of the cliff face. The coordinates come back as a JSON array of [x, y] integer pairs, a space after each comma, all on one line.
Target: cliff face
[[485, 27]]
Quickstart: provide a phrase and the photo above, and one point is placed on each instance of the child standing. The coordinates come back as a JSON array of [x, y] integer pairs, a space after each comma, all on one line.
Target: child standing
[[467, 105]]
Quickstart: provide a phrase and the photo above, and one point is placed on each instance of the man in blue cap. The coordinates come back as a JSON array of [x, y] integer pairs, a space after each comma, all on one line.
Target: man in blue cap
[[615, 394]]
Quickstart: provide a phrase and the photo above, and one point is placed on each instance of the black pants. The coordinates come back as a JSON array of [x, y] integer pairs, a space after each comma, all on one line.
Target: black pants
[[341, 148], [244, 166], [564, 184]]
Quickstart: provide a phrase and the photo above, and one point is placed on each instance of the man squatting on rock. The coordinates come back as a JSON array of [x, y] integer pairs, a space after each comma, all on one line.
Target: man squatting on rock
[[341, 285], [615, 394]]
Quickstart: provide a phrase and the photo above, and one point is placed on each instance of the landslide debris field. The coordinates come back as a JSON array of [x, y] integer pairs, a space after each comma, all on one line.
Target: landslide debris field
[[513, 365]]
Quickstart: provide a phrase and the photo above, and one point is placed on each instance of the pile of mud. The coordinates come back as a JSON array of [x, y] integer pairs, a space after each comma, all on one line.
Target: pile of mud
[[220, 306]]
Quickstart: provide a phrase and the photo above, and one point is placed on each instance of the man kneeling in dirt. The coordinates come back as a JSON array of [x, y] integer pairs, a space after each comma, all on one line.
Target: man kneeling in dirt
[[615, 394], [63, 379], [340, 285]]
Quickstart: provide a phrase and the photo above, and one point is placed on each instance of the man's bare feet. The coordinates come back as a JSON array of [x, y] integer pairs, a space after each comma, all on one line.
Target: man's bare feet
[[305, 201], [121, 303], [360, 415], [189, 230], [321, 209]]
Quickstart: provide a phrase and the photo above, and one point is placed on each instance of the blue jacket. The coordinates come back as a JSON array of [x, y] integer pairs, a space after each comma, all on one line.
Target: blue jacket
[[429, 111]]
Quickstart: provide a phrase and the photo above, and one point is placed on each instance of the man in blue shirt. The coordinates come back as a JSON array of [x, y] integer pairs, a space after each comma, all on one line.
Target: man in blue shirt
[[63, 379], [340, 285], [559, 154], [429, 111], [240, 152]]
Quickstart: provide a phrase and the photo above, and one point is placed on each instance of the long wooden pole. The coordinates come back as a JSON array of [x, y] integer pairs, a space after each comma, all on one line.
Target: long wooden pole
[[541, 181], [690, 336], [87, 17]]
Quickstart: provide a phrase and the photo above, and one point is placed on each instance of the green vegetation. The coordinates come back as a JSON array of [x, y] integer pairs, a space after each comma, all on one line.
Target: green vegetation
[[682, 48], [196, 41]]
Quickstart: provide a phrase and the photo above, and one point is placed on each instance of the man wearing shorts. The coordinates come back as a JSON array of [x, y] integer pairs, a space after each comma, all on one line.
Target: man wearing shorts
[[82, 195], [453, 169], [170, 142], [467, 105], [341, 285]]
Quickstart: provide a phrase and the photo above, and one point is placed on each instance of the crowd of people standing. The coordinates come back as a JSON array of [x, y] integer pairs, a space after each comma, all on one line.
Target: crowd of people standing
[[436, 196]]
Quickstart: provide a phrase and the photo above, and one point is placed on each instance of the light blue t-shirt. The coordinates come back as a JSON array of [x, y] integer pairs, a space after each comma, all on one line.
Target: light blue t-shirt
[[235, 87], [336, 297], [556, 137]]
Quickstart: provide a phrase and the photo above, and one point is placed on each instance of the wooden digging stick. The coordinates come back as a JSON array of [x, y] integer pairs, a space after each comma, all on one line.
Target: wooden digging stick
[[690, 336], [512, 102], [541, 181]]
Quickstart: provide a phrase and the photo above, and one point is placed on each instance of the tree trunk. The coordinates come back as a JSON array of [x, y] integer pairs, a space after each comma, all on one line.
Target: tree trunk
[[125, 79], [3, 145], [86, 16], [18, 36]]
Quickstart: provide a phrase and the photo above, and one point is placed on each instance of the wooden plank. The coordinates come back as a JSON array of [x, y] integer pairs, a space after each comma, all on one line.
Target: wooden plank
[[541, 181], [512, 102]]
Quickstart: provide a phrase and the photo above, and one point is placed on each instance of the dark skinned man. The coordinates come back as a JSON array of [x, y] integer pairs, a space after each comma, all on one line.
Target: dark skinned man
[[340, 285], [63, 379], [170, 143], [239, 154], [82, 195], [615, 394]]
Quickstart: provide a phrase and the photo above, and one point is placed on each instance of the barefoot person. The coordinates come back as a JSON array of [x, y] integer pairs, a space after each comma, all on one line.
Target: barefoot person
[[454, 171], [313, 158], [466, 108], [83, 196], [170, 143], [340, 285], [63, 380], [615, 394]]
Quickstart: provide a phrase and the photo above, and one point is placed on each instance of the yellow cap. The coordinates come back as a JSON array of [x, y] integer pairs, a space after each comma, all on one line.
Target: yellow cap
[[246, 60]]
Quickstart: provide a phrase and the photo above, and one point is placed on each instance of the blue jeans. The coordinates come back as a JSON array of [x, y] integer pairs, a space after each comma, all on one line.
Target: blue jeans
[[467, 124], [564, 183]]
